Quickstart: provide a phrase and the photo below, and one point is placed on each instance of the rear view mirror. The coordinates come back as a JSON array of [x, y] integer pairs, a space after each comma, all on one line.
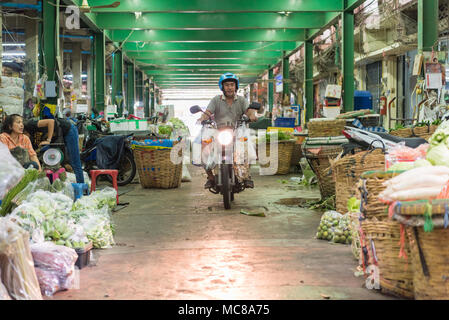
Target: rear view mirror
[[195, 109], [255, 105]]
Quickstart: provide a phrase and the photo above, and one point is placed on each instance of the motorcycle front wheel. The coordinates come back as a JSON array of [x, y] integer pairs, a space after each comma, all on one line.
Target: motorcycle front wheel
[[226, 185]]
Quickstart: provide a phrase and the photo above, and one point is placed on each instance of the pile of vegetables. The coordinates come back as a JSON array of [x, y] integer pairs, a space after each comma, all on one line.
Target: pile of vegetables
[[55, 217]]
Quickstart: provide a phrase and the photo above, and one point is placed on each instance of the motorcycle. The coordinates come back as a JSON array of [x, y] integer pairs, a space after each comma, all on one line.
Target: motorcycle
[[127, 166], [227, 184]]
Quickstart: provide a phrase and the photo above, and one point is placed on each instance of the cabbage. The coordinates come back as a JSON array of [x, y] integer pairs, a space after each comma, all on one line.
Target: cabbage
[[421, 163], [438, 155]]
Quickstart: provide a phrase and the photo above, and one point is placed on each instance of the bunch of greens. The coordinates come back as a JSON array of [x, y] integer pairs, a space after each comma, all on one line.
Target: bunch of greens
[[165, 130]]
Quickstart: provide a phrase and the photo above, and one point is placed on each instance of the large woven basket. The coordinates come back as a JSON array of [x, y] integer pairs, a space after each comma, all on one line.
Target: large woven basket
[[156, 170], [383, 241], [285, 151], [326, 128], [319, 158], [347, 171], [404, 133], [371, 185], [430, 260]]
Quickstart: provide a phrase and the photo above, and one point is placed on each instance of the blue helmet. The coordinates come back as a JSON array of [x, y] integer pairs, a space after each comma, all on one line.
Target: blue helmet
[[226, 77]]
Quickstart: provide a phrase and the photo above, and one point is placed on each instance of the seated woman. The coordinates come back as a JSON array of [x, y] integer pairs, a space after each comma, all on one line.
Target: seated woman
[[18, 143]]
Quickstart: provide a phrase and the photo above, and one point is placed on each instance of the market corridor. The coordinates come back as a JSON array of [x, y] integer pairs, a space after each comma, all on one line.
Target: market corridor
[[182, 244]]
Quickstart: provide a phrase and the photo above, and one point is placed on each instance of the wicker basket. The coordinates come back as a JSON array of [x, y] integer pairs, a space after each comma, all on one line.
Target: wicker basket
[[404, 133], [370, 186], [319, 159], [285, 151], [156, 170], [347, 171], [430, 260], [396, 273], [326, 128]]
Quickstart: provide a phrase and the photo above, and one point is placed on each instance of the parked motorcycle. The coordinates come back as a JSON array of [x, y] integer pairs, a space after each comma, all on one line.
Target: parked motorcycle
[[127, 166], [227, 183]]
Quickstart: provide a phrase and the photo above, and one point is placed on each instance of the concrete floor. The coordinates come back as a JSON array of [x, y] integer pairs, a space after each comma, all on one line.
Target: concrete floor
[[182, 244]]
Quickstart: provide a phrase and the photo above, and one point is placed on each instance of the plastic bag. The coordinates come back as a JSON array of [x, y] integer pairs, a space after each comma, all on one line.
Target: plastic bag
[[343, 232], [4, 295], [11, 172], [18, 274], [329, 222], [55, 266], [39, 184], [50, 256], [186, 177]]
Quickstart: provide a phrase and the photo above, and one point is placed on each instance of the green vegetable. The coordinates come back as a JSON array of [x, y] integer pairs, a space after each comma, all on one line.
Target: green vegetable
[[438, 155], [30, 175], [353, 205], [402, 166]]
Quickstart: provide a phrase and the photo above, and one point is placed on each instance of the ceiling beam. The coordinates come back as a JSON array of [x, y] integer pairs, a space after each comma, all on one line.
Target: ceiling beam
[[204, 68], [253, 54], [182, 21], [246, 35], [353, 4], [219, 6], [217, 73], [210, 46], [203, 62]]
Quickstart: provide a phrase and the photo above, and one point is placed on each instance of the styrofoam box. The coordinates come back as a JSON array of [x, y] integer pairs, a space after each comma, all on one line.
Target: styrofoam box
[[331, 112]]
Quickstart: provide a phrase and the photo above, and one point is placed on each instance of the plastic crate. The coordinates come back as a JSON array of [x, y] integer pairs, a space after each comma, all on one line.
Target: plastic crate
[[285, 122], [83, 256]]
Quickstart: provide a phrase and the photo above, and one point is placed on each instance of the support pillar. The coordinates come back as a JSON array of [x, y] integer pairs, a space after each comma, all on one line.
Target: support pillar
[[348, 60], [100, 73], [31, 62], [147, 98], [49, 43], [130, 90], [285, 77], [152, 94], [308, 80], [270, 89], [117, 79], [427, 24], [77, 68], [1, 41], [139, 86]]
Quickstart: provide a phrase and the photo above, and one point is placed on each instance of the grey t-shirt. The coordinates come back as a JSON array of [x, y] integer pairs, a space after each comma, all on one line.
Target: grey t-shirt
[[224, 113]]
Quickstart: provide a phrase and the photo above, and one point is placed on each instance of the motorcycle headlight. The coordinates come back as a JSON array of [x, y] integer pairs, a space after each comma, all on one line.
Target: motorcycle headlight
[[225, 137]]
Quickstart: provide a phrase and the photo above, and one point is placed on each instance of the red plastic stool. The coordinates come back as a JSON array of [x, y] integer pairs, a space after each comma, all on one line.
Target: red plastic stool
[[95, 173]]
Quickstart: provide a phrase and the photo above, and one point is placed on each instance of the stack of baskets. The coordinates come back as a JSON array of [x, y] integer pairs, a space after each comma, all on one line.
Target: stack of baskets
[[347, 171], [429, 255], [319, 158], [325, 127], [381, 238], [156, 169]]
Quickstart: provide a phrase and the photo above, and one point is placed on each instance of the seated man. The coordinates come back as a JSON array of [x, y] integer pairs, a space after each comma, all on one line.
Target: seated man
[[18, 143]]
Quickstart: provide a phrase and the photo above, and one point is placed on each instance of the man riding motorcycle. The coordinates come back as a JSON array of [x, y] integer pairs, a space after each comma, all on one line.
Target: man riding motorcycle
[[227, 109]]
